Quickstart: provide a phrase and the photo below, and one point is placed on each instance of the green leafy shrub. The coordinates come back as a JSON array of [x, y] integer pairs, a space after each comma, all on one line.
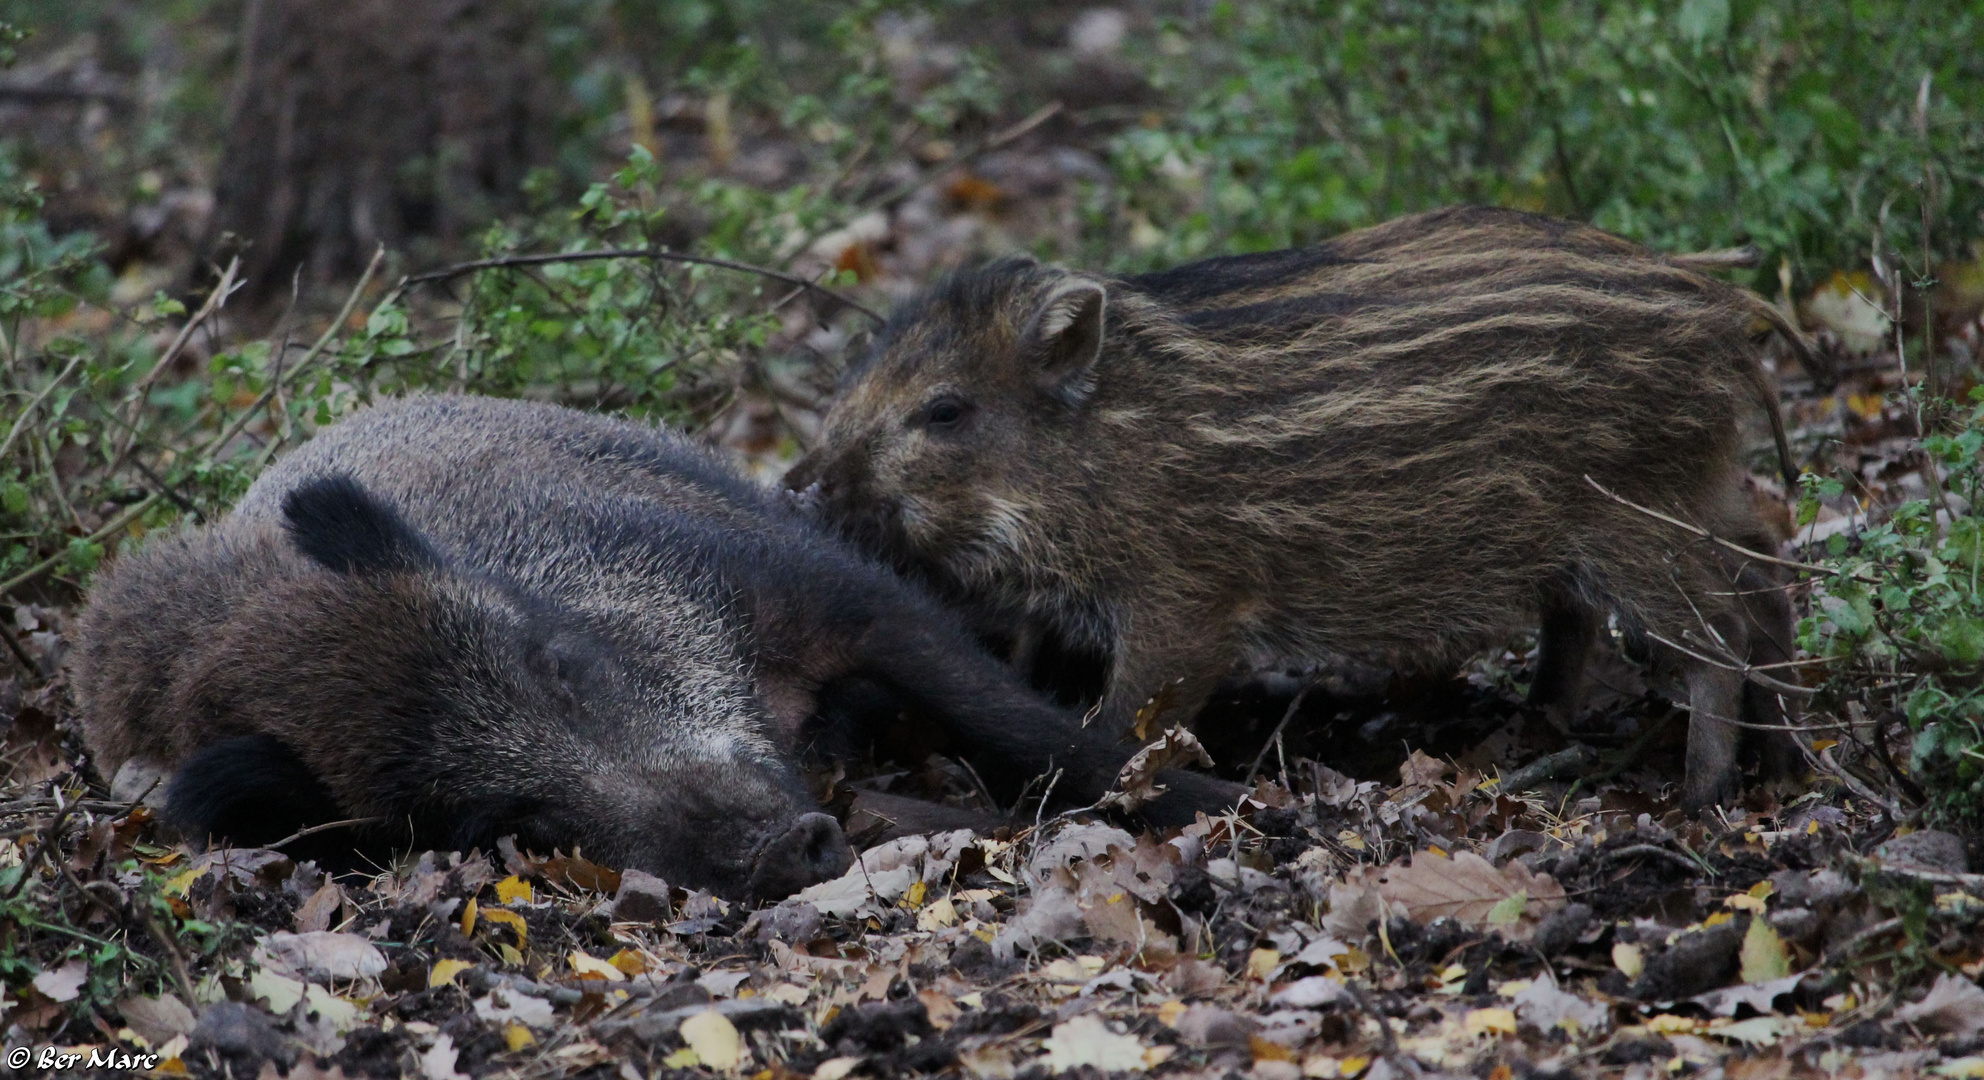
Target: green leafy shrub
[[1900, 617], [1806, 129]]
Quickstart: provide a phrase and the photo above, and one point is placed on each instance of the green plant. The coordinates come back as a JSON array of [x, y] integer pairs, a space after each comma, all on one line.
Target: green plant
[[1808, 130], [1900, 617]]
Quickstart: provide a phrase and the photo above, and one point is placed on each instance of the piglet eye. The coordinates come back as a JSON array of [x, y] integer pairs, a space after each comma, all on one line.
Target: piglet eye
[[943, 413]]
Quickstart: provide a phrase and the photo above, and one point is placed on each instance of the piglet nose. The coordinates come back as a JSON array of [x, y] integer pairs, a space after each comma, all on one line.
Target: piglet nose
[[812, 849]]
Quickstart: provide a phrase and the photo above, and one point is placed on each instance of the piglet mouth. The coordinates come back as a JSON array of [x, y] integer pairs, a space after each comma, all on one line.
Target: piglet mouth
[[801, 853]]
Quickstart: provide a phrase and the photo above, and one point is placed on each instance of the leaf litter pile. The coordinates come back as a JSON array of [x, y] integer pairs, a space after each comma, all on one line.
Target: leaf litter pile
[[1429, 880]]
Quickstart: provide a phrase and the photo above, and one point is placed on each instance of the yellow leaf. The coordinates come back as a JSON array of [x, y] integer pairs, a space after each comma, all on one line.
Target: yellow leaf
[[938, 915], [1437, 850], [1262, 961], [684, 1058], [510, 955], [1453, 973], [1628, 960], [1820, 746], [177, 884], [512, 920], [1763, 889], [714, 1040], [592, 967], [1717, 919], [1351, 1066], [1352, 961], [444, 971], [468, 918], [518, 1037], [914, 898], [1350, 840], [512, 889], [1669, 1024], [629, 962], [1491, 1022], [1743, 902], [1269, 1050], [1169, 1012], [1763, 954], [787, 994]]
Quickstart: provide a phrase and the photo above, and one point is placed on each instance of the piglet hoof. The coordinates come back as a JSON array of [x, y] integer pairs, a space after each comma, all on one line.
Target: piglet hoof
[[812, 849]]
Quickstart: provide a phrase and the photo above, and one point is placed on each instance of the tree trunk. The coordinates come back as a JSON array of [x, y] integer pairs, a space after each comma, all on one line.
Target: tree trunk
[[360, 122]]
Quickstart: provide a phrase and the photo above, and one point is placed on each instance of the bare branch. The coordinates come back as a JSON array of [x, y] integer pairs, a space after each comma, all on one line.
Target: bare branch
[[660, 254]]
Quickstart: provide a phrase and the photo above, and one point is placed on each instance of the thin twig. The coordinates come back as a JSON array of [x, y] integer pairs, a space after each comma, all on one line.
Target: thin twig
[[1010, 135], [1357, 994], [115, 525], [316, 349], [1739, 549], [903, 191], [662, 254], [325, 827], [1774, 685], [28, 412], [1631, 851], [135, 401], [1308, 683]]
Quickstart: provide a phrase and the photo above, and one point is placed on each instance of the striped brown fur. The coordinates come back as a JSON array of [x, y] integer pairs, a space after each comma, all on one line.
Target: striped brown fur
[[1375, 447]]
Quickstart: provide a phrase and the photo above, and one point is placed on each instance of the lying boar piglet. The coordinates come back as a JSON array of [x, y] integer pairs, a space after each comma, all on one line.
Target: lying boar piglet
[[471, 618], [1375, 448]]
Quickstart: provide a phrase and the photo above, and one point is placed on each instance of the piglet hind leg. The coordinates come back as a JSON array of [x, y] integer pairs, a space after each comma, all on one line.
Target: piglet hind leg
[[1715, 704], [1772, 641], [1565, 639]]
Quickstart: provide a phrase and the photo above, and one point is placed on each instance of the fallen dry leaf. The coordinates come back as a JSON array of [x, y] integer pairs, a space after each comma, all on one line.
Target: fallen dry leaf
[[438, 1063], [1087, 1040], [1763, 954], [1466, 888], [156, 1019], [63, 983], [592, 967], [1953, 1006], [316, 912], [1137, 783], [714, 1039], [444, 971], [1548, 1008], [321, 954]]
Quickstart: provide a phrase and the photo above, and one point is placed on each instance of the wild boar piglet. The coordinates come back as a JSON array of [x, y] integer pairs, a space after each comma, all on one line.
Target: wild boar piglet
[[1382, 447]]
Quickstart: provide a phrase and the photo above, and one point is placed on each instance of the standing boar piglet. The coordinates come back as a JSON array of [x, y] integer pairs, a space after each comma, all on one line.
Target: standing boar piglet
[[1377, 447], [472, 618]]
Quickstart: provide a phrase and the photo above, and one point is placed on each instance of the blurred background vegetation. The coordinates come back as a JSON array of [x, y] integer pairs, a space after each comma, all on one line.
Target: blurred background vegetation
[[211, 210]]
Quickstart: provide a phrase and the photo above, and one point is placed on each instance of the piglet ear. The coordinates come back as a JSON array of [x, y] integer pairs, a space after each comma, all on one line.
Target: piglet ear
[[1065, 338], [343, 527]]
